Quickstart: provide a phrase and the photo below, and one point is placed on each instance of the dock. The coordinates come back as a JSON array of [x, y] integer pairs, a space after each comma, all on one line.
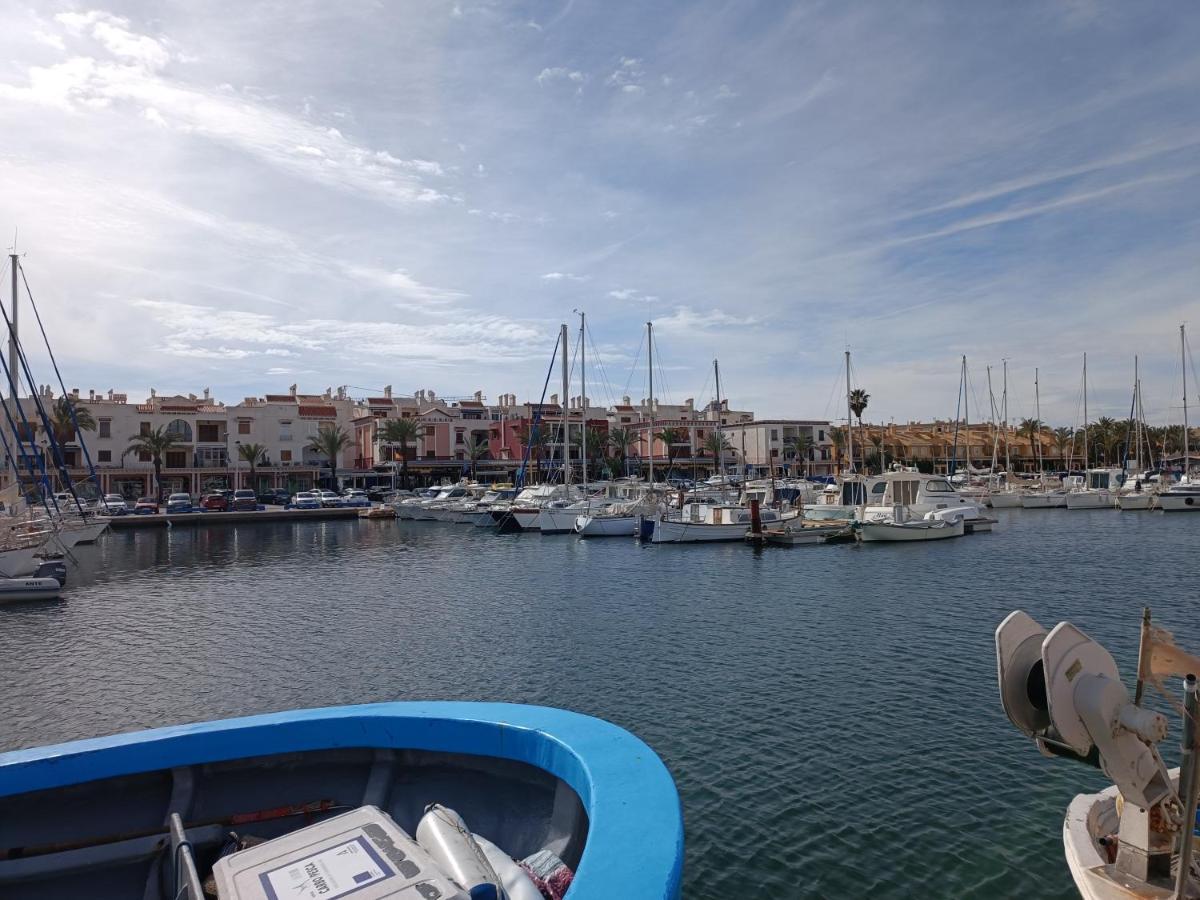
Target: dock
[[246, 517]]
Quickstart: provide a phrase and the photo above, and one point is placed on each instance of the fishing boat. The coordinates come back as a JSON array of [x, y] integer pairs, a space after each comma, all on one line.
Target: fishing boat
[[273, 801], [1063, 690], [920, 494], [702, 522], [798, 533], [895, 526]]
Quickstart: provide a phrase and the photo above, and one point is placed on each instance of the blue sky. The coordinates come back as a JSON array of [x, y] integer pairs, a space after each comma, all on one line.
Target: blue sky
[[243, 196]]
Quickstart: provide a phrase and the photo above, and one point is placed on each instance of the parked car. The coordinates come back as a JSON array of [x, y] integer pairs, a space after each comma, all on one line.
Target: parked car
[[179, 503], [214, 502], [112, 505], [380, 493], [329, 499], [244, 500], [145, 506], [355, 497], [306, 500], [274, 498]]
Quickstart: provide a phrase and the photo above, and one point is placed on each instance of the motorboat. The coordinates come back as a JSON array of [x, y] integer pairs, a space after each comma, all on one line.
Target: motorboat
[[1048, 497], [701, 522], [524, 513], [1133, 840], [798, 533], [919, 494], [1184, 496], [1099, 491], [324, 802]]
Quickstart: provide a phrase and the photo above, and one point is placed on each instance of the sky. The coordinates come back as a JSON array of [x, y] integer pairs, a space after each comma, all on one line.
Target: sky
[[243, 196]]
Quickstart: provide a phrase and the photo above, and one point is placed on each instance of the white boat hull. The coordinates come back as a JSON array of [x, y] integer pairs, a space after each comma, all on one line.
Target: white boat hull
[[81, 534], [606, 526], [1006, 500], [920, 530], [1169, 502], [1090, 500], [16, 590], [667, 531], [1143, 500], [528, 519], [1043, 501], [560, 520]]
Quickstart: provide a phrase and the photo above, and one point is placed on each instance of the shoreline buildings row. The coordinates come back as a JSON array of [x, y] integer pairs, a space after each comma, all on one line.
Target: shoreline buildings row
[[209, 432]]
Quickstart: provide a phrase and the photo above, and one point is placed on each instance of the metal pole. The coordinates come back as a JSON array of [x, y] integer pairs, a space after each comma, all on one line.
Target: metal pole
[[1037, 406], [1183, 361], [650, 366], [967, 419], [583, 460], [720, 433], [13, 373], [566, 385], [1007, 460], [1086, 459], [849, 421], [1187, 786]]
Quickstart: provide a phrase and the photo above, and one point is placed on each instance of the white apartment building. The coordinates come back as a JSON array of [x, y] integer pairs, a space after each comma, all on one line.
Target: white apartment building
[[767, 447]]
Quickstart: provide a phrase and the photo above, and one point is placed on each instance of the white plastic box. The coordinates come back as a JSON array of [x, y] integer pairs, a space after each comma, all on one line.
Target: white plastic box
[[361, 854]]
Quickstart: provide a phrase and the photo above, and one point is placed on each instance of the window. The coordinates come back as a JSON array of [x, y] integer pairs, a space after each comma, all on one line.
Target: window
[[429, 431], [429, 454], [285, 431], [208, 432], [105, 428], [243, 427], [104, 456], [143, 428], [285, 456], [774, 452], [459, 436], [181, 430], [937, 486], [774, 434], [821, 434]]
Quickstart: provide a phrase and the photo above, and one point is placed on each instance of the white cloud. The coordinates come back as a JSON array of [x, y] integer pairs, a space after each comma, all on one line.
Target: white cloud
[[627, 75], [724, 92], [559, 73], [133, 76], [563, 276], [686, 319]]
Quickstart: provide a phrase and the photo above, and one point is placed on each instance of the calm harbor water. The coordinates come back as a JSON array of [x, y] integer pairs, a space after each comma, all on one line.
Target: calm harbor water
[[829, 713]]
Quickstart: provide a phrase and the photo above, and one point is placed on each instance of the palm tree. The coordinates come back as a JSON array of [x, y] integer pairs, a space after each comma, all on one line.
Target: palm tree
[[476, 450], [402, 432], [799, 446], [154, 444], [1063, 437], [533, 438], [858, 405], [62, 424], [595, 441], [620, 439], [253, 454], [877, 442], [330, 440], [669, 437], [717, 444], [837, 436]]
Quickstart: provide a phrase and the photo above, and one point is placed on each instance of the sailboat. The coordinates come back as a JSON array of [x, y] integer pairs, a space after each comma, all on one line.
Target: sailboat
[[1046, 498], [1184, 496], [1139, 492], [1099, 490], [1010, 497]]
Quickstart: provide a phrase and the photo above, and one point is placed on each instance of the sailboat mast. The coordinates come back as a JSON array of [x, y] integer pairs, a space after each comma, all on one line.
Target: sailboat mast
[[1037, 413], [566, 387], [583, 460], [14, 374], [650, 367], [1183, 369], [849, 421], [1007, 462], [1086, 458], [720, 433], [995, 433], [967, 418]]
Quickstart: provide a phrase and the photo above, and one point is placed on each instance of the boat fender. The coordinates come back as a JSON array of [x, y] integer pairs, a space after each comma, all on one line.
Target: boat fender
[[445, 837], [515, 880]]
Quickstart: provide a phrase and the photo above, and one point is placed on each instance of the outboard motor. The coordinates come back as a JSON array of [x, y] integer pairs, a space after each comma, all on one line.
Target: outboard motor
[[52, 568]]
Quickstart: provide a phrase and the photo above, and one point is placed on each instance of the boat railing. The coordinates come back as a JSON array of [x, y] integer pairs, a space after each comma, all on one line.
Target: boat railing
[[187, 879]]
